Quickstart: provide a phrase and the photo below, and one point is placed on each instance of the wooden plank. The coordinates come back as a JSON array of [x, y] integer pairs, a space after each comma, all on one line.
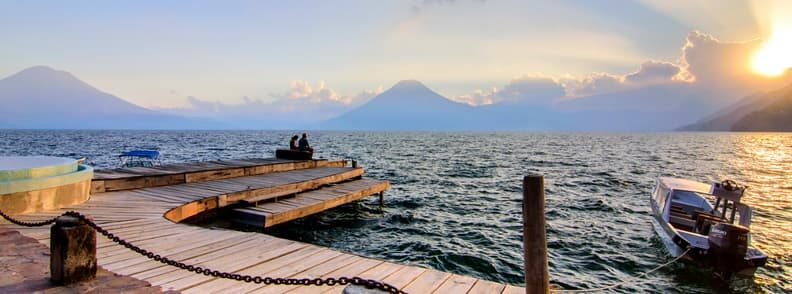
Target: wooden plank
[[486, 287], [331, 265], [311, 207], [350, 270], [137, 215], [304, 263], [381, 271], [456, 284], [261, 269], [427, 282], [141, 177], [154, 271], [142, 182], [404, 276], [272, 213], [251, 216], [143, 269], [163, 247], [214, 175], [509, 289], [255, 199], [252, 256]]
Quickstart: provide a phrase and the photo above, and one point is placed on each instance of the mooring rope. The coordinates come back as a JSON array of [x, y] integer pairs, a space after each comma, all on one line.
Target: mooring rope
[[627, 281]]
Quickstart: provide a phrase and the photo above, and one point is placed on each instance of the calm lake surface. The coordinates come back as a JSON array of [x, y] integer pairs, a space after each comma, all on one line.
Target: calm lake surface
[[455, 204]]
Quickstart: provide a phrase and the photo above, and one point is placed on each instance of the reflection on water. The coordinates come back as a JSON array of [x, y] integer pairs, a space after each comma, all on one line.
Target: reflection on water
[[455, 200], [764, 163]]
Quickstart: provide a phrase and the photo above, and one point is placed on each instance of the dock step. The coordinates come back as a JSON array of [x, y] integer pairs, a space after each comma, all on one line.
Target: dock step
[[276, 195], [271, 213]]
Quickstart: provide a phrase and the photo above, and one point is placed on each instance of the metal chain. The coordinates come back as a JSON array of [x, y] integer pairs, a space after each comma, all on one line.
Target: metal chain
[[368, 283], [28, 224]]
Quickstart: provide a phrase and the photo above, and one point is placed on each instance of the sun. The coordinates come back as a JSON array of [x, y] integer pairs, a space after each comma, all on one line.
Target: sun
[[774, 58]]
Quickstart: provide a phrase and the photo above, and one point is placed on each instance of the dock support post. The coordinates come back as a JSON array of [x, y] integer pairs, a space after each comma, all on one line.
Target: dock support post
[[382, 200], [354, 163], [72, 251], [537, 278]]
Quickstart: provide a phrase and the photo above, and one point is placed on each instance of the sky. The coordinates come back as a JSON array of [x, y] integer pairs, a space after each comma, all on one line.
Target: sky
[[177, 54]]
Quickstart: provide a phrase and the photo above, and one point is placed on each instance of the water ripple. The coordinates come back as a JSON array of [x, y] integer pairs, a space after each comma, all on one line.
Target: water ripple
[[455, 201]]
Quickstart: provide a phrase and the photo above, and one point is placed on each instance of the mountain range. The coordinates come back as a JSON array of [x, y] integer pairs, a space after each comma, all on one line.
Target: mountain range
[[410, 105], [41, 97], [770, 111]]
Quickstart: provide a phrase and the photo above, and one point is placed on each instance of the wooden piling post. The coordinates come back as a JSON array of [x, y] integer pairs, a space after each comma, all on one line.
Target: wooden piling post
[[72, 251], [537, 278], [382, 199]]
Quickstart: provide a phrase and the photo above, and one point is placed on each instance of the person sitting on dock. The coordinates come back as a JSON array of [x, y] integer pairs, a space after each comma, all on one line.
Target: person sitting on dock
[[303, 146], [293, 143]]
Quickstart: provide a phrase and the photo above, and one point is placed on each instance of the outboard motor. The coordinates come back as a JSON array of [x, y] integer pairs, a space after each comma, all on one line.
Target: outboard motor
[[728, 244]]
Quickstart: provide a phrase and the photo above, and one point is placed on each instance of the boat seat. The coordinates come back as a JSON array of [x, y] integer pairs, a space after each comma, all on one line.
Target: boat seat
[[682, 223], [689, 210], [681, 214], [704, 222]]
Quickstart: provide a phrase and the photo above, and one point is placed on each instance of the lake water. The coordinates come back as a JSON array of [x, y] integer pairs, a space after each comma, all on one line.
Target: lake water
[[455, 204]]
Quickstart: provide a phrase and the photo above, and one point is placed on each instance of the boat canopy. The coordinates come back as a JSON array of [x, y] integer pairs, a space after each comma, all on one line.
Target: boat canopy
[[686, 185], [152, 154]]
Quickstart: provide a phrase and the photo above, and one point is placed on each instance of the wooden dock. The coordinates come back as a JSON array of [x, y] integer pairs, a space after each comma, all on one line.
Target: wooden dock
[[145, 205]]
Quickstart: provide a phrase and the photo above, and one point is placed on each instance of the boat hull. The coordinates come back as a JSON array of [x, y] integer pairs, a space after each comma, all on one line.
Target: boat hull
[[676, 245]]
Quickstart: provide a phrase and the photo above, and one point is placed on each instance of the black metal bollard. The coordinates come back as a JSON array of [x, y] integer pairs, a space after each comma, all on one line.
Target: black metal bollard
[[72, 251]]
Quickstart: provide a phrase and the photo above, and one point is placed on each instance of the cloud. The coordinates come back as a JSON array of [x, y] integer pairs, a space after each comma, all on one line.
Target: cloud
[[707, 59], [649, 73], [527, 89], [304, 102], [478, 97], [653, 72], [722, 68], [594, 83], [302, 90], [725, 66], [545, 90], [530, 89]]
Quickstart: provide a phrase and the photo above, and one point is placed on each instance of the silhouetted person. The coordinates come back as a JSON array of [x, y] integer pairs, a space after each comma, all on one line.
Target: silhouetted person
[[293, 143], [304, 144]]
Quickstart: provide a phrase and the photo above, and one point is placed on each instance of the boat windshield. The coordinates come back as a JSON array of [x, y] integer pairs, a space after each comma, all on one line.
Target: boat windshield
[[660, 195], [691, 199]]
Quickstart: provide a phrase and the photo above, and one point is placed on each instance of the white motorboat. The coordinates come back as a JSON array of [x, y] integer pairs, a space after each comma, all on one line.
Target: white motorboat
[[716, 234]]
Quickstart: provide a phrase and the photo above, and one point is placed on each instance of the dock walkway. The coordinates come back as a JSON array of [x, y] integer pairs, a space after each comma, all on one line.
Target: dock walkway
[[144, 208]]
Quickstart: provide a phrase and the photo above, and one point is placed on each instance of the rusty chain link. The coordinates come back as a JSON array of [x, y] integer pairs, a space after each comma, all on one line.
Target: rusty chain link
[[368, 283]]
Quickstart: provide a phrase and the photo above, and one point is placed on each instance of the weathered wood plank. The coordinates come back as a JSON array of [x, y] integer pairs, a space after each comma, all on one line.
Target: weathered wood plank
[[331, 265], [486, 287], [427, 282], [404, 276], [142, 177], [261, 269], [137, 215], [509, 289], [456, 284], [272, 213]]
